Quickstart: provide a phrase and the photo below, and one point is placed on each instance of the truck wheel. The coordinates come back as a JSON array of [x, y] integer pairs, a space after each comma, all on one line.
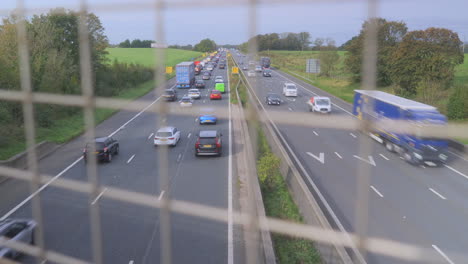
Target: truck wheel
[[408, 158], [389, 146]]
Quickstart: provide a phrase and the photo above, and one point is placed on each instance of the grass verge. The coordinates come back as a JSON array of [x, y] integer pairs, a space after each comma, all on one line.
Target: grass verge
[[66, 129], [279, 204], [234, 79], [146, 56]]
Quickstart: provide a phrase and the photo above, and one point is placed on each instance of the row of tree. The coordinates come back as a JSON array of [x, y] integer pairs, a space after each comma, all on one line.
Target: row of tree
[[206, 45], [136, 43], [54, 57], [405, 58], [289, 41]]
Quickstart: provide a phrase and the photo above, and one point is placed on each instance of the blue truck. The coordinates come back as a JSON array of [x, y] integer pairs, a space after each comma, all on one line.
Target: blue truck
[[378, 105], [185, 74]]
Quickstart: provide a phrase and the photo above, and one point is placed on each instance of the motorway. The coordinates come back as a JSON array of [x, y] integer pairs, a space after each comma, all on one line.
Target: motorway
[[131, 233], [425, 206]]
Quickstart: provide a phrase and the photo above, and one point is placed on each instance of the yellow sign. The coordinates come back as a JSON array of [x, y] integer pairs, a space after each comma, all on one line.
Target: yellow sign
[[235, 70], [168, 70]]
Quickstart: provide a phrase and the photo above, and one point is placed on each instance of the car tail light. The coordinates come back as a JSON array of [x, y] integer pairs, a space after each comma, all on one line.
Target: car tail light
[[218, 145], [171, 138], [197, 144]]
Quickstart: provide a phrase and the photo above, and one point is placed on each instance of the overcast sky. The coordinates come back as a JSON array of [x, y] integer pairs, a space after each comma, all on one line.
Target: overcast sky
[[339, 20]]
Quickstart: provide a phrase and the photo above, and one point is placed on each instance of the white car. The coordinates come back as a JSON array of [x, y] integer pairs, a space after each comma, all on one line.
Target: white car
[[209, 67], [258, 68], [289, 89], [186, 102], [251, 73], [194, 93], [167, 136], [219, 79], [320, 104]]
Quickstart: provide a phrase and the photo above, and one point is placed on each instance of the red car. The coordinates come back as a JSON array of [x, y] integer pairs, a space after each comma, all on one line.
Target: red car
[[215, 95]]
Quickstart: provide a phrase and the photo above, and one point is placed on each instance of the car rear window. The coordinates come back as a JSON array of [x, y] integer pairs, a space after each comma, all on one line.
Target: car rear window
[[290, 87], [215, 92], [100, 145], [163, 134], [207, 140]]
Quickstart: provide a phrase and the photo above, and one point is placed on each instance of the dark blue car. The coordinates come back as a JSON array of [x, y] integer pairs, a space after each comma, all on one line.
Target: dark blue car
[[208, 119]]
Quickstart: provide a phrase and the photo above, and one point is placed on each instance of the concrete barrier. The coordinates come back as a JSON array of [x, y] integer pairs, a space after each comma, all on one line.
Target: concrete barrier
[[20, 161]]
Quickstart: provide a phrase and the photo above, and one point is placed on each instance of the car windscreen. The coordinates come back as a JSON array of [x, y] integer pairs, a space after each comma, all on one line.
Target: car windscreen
[[186, 100], [200, 82], [273, 96], [193, 91], [290, 87], [169, 92], [210, 140], [163, 134], [215, 92], [322, 102]]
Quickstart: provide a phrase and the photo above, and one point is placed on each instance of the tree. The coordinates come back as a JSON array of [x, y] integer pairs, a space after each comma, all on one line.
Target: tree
[[426, 55], [205, 45], [328, 61], [318, 43], [125, 44], [304, 39], [389, 35]]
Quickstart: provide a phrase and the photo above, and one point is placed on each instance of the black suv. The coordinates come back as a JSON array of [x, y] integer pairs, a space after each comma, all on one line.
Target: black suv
[[105, 148], [208, 143], [170, 95], [199, 84], [222, 65]]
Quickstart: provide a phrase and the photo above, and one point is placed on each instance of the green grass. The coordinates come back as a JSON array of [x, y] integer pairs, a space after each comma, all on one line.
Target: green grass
[[461, 72], [66, 129], [234, 80], [279, 204], [339, 84], [146, 56]]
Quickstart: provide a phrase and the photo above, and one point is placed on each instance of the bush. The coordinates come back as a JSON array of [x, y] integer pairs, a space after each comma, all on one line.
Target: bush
[[267, 166], [457, 107]]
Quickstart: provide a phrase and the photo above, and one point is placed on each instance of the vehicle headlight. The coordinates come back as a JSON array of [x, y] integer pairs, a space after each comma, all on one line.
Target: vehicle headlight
[[443, 157], [418, 156]]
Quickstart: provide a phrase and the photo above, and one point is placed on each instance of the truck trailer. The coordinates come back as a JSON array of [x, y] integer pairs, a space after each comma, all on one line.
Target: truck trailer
[[265, 62], [185, 74], [378, 105]]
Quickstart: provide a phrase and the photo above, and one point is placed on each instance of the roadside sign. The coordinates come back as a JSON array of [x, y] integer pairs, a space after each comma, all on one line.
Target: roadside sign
[[169, 70], [313, 66], [235, 70]]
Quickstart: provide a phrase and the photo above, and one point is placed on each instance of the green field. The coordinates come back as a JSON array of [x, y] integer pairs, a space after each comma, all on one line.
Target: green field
[[146, 56]]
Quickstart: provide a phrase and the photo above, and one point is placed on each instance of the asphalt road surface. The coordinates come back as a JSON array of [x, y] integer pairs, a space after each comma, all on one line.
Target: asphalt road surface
[[425, 206], [131, 233]]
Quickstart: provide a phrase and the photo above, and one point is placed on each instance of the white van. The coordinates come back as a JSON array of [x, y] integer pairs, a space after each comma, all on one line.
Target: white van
[[289, 89], [320, 104]]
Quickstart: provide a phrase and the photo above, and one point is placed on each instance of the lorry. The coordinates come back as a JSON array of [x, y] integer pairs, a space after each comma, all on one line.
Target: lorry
[[378, 106], [265, 62], [319, 104], [185, 74]]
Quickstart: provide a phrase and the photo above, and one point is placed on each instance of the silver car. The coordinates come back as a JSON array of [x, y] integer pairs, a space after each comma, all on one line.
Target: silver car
[[18, 230], [219, 79], [194, 93]]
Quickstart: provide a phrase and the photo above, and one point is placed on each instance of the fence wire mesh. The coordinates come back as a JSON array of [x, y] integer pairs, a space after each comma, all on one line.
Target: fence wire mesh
[[326, 239]]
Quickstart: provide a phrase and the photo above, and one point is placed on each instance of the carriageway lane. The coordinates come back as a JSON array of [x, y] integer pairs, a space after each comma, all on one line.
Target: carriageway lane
[[131, 232], [408, 212]]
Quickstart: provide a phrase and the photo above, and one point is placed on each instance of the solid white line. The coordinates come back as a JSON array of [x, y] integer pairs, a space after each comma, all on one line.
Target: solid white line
[[179, 157], [137, 115], [354, 136], [150, 135], [438, 194], [70, 166], [99, 196], [376, 191], [443, 254], [230, 219], [339, 156], [131, 158], [461, 157], [161, 195], [40, 189], [454, 170], [131, 262], [190, 134], [381, 155], [315, 133]]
